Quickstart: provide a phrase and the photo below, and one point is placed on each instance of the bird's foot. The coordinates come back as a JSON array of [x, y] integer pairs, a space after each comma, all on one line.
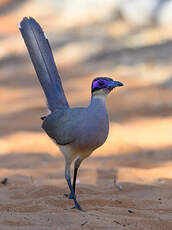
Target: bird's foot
[[69, 196], [77, 206]]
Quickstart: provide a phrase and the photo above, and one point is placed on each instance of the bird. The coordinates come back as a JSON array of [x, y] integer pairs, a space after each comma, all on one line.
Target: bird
[[78, 131]]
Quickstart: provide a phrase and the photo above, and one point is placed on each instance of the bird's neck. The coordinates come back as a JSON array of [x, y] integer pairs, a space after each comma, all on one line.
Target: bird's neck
[[98, 100]]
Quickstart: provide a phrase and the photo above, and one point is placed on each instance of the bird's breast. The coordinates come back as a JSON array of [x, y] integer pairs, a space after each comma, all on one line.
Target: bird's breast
[[95, 130]]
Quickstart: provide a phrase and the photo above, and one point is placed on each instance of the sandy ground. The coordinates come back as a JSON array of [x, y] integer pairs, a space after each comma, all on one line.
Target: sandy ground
[[137, 153]]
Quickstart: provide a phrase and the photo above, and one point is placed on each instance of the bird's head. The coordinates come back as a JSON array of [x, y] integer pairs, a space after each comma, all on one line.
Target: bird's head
[[102, 86]]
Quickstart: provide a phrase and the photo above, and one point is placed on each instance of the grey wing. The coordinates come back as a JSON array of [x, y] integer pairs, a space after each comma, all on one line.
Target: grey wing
[[60, 126]]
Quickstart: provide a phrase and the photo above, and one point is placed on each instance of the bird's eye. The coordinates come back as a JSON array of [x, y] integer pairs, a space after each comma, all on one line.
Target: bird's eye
[[101, 83]]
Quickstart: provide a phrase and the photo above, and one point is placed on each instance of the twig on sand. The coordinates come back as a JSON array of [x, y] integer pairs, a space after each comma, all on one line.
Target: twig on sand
[[83, 223], [117, 222]]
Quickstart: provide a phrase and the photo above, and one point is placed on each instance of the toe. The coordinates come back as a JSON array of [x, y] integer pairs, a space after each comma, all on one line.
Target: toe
[[69, 196]]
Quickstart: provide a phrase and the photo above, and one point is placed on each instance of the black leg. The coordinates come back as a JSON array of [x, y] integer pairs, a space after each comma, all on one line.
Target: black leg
[[74, 184], [74, 178], [76, 166], [67, 176]]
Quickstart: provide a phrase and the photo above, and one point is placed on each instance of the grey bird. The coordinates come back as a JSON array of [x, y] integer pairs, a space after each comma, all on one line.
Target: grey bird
[[77, 131]]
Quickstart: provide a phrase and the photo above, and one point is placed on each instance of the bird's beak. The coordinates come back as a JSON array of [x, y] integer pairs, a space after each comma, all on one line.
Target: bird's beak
[[114, 84]]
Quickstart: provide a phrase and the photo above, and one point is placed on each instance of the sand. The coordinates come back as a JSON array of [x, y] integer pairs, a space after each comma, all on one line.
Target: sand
[[33, 196]]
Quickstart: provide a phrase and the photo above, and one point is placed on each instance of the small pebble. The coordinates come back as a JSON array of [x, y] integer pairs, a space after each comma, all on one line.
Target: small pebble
[[4, 181]]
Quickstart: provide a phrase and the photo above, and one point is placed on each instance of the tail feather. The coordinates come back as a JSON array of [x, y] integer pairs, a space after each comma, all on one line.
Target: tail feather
[[43, 61]]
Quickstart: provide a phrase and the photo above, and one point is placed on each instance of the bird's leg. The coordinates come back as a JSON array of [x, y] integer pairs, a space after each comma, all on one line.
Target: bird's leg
[[70, 196], [76, 167], [74, 178], [68, 179]]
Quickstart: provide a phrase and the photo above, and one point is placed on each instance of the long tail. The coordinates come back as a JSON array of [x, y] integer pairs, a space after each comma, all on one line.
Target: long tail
[[43, 61]]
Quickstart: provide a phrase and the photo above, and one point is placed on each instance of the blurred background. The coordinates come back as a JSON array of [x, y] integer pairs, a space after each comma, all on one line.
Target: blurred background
[[128, 40]]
